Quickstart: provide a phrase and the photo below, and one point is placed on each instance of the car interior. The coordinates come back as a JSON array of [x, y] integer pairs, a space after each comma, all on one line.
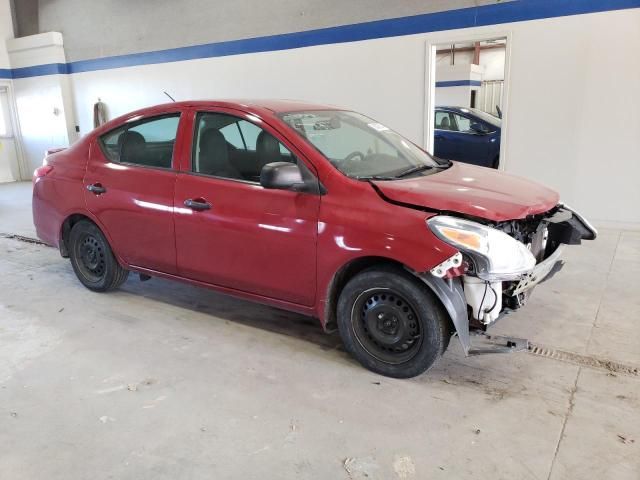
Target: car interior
[[230, 147], [134, 148]]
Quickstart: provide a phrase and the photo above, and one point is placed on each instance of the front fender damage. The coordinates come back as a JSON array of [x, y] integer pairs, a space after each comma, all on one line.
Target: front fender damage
[[451, 294]]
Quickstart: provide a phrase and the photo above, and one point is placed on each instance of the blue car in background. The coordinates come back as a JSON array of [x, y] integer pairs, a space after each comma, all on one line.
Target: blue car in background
[[468, 135]]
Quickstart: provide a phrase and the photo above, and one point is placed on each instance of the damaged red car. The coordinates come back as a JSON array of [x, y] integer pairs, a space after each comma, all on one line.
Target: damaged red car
[[309, 208]]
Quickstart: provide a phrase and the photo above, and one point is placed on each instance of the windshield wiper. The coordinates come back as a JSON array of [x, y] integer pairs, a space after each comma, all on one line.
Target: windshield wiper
[[419, 168], [374, 177]]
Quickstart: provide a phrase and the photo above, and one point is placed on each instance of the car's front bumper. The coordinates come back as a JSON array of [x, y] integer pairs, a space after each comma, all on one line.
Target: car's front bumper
[[541, 272]]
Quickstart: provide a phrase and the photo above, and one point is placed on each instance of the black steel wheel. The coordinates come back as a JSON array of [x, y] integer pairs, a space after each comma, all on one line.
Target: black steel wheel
[[92, 258], [392, 323], [386, 325]]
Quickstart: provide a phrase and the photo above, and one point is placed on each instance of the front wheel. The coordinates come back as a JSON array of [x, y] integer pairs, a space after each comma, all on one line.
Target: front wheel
[[391, 323], [93, 260]]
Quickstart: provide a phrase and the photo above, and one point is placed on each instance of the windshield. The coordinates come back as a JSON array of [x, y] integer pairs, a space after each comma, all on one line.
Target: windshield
[[487, 117], [358, 146]]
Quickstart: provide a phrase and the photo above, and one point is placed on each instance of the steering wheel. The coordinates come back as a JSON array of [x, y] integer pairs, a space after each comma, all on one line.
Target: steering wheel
[[354, 155]]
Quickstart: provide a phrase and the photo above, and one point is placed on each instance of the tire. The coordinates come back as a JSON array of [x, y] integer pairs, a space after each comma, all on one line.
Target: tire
[[391, 323], [92, 258]]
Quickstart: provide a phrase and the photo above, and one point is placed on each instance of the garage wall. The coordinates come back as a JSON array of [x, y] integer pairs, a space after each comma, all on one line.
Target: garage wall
[[564, 82], [117, 27]]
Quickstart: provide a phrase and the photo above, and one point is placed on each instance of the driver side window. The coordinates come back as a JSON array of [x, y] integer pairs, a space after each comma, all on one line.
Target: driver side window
[[463, 124], [231, 147]]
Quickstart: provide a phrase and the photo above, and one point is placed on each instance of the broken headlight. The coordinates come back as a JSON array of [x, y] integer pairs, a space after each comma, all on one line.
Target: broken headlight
[[496, 255]]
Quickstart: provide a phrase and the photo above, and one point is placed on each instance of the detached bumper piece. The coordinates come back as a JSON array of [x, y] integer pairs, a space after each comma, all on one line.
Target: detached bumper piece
[[496, 344], [543, 271]]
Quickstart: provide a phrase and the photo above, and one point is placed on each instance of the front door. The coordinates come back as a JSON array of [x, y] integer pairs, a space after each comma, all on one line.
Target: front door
[[232, 232], [129, 187], [443, 139], [471, 147]]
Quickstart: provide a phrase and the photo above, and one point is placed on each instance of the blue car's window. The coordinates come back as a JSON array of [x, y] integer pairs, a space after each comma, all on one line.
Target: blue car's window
[[463, 124], [443, 121]]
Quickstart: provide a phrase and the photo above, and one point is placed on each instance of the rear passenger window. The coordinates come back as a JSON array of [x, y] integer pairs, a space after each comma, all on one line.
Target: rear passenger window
[[148, 143], [443, 121], [230, 147]]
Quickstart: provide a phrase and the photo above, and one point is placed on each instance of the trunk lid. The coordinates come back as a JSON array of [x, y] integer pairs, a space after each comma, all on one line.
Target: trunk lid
[[475, 191]]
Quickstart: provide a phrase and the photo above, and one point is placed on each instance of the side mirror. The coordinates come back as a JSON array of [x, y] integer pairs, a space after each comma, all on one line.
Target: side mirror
[[281, 176], [478, 128]]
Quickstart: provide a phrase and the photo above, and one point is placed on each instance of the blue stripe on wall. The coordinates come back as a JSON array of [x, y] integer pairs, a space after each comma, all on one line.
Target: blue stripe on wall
[[459, 83], [494, 14], [38, 70], [5, 73]]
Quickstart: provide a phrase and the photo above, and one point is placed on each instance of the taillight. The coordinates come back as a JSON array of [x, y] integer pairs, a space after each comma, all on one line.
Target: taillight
[[42, 171]]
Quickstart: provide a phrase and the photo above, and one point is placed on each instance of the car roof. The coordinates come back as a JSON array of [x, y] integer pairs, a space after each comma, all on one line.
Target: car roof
[[455, 109], [473, 112], [257, 107], [274, 105]]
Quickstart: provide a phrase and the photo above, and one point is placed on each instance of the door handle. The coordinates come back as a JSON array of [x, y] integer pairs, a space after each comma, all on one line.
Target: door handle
[[198, 204], [96, 188]]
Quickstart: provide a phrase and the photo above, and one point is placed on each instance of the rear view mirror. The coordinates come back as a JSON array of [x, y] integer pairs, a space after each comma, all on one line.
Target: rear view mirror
[[281, 176]]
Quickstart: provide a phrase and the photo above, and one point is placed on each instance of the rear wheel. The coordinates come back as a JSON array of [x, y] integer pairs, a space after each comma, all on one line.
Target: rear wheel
[[92, 258], [391, 323]]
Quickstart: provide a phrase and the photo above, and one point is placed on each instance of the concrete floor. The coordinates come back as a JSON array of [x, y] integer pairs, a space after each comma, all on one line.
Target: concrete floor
[[161, 380]]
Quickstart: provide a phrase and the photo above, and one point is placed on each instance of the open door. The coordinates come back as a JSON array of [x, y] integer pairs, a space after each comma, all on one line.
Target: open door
[[466, 98], [9, 149]]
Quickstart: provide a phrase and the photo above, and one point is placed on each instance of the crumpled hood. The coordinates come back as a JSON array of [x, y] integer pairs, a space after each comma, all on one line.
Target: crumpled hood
[[470, 190]]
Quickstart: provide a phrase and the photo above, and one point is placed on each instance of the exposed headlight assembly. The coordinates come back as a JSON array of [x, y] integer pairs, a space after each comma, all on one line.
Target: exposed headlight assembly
[[496, 255]]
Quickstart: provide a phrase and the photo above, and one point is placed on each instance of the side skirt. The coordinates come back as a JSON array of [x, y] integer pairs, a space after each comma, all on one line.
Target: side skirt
[[272, 302]]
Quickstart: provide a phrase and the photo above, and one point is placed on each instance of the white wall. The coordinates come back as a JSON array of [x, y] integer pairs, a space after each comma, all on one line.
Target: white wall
[[6, 31], [459, 96], [580, 137]]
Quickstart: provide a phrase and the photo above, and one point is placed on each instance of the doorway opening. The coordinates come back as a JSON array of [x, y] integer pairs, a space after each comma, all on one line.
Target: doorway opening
[[10, 153], [465, 107]]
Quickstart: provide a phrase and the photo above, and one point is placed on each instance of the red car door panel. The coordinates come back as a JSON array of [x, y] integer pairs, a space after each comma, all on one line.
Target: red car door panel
[[251, 239], [246, 237], [134, 202]]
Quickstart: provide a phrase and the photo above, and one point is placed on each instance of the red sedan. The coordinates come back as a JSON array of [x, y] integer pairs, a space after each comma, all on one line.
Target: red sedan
[[309, 208]]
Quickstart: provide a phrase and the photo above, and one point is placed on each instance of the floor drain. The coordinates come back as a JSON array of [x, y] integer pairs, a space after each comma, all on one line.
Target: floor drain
[[21, 238], [584, 360]]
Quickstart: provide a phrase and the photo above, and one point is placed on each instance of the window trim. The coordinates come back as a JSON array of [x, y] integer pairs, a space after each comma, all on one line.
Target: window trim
[[127, 125], [491, 130]]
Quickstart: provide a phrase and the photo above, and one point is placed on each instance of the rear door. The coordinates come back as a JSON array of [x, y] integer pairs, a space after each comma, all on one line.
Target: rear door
[[235, 233], [129, 187]]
